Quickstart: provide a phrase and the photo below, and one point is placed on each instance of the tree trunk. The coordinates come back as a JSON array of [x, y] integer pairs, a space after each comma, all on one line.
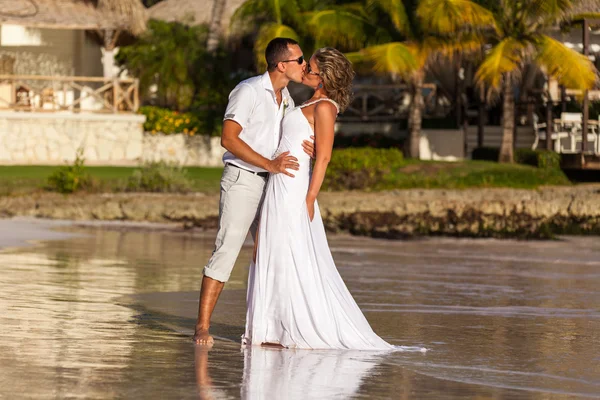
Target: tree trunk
[[508, 123], [415, 115], [214, 28], [108, 53]]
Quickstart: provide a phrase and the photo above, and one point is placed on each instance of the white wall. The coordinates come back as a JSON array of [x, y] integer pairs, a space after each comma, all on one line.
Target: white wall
[[106, 139]]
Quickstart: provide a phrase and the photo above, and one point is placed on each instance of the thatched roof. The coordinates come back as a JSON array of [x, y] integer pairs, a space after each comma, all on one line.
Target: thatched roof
[[129, 15], [192, 11], [585, 7]]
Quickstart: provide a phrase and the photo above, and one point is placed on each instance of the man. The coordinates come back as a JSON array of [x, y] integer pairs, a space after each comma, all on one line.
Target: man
[[251, 133]]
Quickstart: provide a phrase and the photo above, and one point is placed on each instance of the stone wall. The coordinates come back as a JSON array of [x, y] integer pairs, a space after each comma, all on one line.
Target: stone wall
[[39, 138], [182, 149], [53, 138]]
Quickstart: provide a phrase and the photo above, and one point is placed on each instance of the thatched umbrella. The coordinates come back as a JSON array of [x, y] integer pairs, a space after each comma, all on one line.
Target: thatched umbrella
[[193, 12], [583, 8], [133, 10], [93, 15], [109, 18]]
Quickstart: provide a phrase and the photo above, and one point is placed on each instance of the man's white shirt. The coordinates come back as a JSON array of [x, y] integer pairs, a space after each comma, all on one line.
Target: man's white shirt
[[253, 105]]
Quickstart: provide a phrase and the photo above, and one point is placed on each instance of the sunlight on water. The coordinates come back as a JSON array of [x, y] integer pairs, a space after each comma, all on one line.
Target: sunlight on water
[[110, 314]]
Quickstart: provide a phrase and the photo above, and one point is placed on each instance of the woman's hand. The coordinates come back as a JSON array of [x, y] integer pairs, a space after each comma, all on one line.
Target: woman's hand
[[310, 206]]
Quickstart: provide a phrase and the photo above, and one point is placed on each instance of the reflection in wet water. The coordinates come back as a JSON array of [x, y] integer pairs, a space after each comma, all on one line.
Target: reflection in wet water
[[110, 314]]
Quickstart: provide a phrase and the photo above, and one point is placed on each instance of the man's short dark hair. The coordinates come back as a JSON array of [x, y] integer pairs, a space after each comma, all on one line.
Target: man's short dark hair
[[277, 51]]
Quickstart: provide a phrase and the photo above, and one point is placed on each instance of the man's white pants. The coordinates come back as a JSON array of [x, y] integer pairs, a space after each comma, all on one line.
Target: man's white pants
[[242, 194]]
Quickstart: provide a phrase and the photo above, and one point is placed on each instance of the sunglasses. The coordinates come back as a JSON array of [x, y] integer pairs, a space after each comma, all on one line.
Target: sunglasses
[[310, 71], [299, 60]]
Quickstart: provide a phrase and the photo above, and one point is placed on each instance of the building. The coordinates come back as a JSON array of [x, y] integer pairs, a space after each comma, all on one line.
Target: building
[[58, 90]]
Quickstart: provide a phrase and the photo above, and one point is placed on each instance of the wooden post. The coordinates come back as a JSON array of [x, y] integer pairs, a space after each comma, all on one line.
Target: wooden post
[[13, 92], [516, 121], [549, 122], [481, 118], [136, 95], [64, 102], [115, 95], [586, 100]]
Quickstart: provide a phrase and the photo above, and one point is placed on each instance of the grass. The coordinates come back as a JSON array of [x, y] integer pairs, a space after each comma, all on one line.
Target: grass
[[472, 174], [27, 179], [414, 174]]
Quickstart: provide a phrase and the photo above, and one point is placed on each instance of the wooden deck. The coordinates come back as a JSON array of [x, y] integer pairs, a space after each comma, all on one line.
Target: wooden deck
[[69, 93]]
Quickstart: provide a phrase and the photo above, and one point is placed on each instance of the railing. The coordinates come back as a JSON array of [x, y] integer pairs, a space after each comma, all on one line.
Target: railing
[[58, 93], [378, 103]]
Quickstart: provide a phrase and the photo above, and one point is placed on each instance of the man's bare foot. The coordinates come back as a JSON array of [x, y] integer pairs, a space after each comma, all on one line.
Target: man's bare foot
[[268, 344], [201, 336]]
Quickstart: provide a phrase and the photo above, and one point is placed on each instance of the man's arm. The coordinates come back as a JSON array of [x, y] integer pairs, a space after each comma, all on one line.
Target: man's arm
[[230, 139]]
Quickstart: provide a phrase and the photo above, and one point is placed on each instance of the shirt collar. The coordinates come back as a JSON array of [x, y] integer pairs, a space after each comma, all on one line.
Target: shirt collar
[[268, 85]]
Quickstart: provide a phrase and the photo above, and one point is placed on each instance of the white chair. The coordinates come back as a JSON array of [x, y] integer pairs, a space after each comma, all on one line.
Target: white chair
[[571, 123], [539, 130]]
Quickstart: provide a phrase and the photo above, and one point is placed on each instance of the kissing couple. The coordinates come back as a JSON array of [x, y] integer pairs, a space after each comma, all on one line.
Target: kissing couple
[[296, 297]]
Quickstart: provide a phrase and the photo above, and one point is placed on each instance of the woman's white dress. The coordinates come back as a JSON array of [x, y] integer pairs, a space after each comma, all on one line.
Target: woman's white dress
[[296, 297]]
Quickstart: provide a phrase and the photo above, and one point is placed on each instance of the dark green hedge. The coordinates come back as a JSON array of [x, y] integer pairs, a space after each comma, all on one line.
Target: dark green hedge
[[535, 158]]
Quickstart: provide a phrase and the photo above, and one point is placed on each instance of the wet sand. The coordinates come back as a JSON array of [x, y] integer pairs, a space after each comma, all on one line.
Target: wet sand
[[109, 313]]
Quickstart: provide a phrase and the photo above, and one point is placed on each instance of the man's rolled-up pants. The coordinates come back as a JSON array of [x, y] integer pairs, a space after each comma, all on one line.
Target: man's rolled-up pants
[[242, 194]]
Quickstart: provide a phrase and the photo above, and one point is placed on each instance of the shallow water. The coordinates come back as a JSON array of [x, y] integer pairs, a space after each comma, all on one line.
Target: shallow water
[[110, 314]]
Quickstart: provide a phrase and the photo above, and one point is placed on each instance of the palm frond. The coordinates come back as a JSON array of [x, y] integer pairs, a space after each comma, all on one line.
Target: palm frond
[[506, 57], [249, 11], [451, 16], [570, 68], [393, 58], [276, 10], [287, 12], [268, 32], [468, 44], [337, 27], [397, 13]]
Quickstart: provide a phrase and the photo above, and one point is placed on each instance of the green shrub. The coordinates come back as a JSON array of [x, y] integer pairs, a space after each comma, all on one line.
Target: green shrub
[[168, 122], [361, 168], [538, 158], [159, 177], [70, 178]]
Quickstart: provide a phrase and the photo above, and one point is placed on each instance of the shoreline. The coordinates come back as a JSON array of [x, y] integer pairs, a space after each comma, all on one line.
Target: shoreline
[[399, 214], [26, 232]]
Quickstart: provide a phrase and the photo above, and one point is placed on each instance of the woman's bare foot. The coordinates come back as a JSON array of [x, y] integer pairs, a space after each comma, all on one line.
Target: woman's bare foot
[[201, 336]]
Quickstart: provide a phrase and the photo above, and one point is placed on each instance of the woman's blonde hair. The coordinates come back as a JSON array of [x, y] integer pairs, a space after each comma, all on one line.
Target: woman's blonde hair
[[337, 74]]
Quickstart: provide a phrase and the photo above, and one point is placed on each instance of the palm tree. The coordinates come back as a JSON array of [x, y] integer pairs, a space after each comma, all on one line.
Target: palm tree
[[410, 35], [214, 27], [518, 39], [294, 19]]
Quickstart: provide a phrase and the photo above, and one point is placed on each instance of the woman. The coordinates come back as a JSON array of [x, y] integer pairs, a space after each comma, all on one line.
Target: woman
[[296, 297]]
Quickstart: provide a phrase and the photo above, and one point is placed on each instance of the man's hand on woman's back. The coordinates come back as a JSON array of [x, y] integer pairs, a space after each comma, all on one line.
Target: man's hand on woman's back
[[309, 147]]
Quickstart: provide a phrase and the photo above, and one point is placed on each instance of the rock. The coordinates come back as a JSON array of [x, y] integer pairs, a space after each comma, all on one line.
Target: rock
[[501, 213]]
